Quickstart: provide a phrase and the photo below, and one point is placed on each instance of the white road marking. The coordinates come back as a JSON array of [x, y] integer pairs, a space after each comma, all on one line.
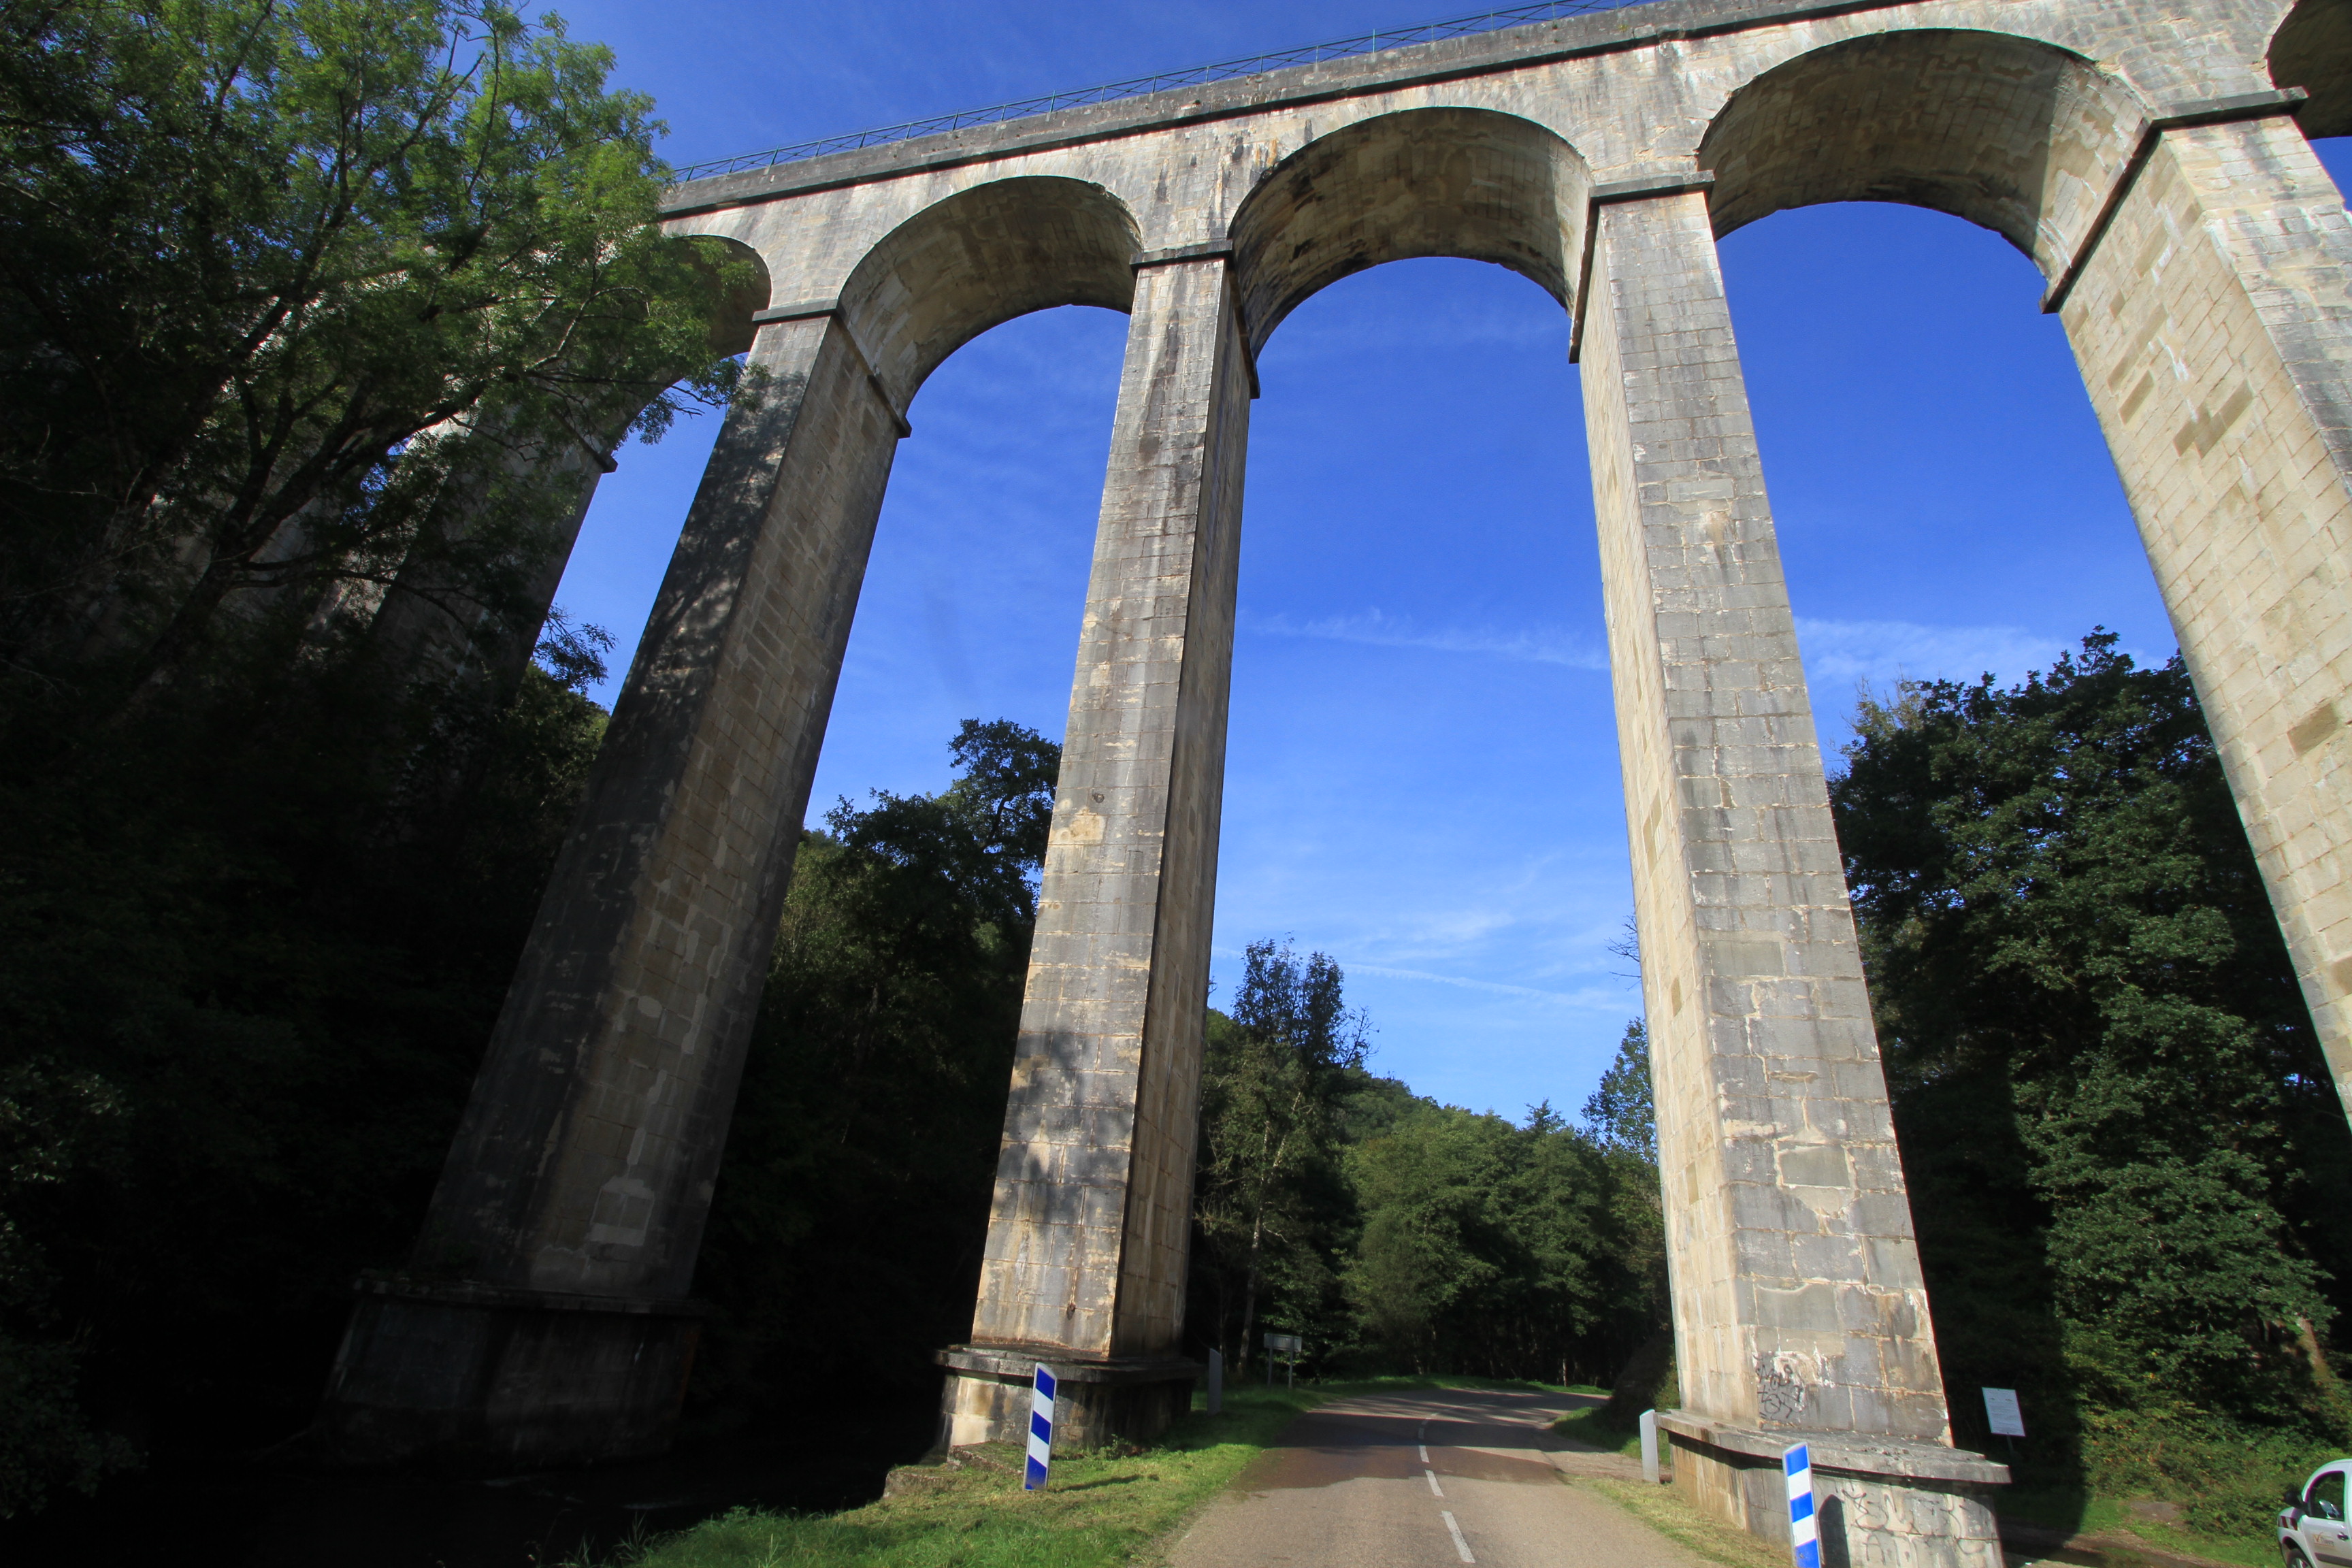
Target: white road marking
[[1424, 1453], [1432, 1481], [1455, 1529]]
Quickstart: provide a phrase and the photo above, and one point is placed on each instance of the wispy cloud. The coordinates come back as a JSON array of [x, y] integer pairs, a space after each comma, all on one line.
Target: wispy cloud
[[1427, 303], [1559, 998], [1590, 997], [1537, 645], [1837, 652], [1881, 652], [1311, 338]]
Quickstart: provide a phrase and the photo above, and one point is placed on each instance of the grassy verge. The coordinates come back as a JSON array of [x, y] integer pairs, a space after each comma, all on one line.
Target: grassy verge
[[1592, 1427], [2114, 1518], [1663, 1511], [2177, 1479], [1103, 1508], [2222, 1479], [2254, 1553], [2059, 1508]]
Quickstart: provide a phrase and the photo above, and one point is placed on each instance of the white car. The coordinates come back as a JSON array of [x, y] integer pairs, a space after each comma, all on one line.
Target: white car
[[2313, 1532]]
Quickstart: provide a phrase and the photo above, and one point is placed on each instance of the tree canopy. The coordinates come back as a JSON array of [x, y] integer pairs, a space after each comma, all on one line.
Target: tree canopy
[[1268, 1200], [2127, 1162], [855, 1197], [308, 301], [272, 271], [1397, 1234]]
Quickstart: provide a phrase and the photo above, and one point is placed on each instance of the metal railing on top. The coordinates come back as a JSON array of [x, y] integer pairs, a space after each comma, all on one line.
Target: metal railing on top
[[1137, 87]]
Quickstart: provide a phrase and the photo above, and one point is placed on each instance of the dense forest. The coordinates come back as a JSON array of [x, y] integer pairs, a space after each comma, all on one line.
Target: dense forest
[[2127, 1166], [303, 305], [1395, 1234], [307, 302]]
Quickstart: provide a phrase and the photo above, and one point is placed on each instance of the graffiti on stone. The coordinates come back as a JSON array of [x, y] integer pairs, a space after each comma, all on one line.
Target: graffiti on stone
[[1781, 1389]]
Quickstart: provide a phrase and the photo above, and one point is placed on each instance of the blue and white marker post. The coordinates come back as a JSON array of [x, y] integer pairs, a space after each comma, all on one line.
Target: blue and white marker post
[[1041, 1431], [1804, 1533]]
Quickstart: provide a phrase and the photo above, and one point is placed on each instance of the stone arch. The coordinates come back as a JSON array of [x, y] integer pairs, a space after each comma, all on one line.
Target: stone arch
[[2313, 50], [731, 325], [979, 258], [1471, 182], [423, 625], [2017, 135]]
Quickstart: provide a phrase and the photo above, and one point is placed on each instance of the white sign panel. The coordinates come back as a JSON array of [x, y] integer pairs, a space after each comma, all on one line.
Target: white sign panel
[[2002, 1413]]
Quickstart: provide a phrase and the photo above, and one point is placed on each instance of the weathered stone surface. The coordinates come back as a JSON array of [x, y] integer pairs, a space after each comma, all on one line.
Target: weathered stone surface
[[503, 1380], [1091, 1227], [1873, 1517], [585, 1161], [1098, 1400], [2142, 155], [586, 1158], [1799, 1304], [2210, 323]]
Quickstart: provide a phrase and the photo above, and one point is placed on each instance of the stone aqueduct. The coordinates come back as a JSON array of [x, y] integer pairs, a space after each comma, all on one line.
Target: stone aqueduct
[[2150, 157]]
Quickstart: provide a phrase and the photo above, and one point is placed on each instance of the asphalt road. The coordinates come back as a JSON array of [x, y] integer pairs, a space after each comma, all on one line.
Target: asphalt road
[[1425, 1478]]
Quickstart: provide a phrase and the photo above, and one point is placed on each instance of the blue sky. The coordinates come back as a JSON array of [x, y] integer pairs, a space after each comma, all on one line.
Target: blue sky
[[1422, 777]]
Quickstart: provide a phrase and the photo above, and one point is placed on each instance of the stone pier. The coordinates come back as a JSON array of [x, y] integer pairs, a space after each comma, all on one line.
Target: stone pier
[[545, 1315], [1799, 1312], [2209, 316], [1091, 1226]]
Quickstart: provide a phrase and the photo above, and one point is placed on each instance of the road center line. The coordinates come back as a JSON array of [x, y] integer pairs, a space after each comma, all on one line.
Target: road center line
[[1433, 1482], [1422, 1449], [1455, 1529]]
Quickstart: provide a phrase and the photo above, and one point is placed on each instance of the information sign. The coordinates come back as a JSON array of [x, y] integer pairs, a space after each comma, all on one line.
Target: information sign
[[1288, 1346], [2001, 1413]]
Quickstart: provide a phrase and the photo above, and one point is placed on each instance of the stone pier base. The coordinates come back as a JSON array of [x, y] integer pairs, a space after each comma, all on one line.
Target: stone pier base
[[1121, 1398], [1883, 1502], [479, 1377]]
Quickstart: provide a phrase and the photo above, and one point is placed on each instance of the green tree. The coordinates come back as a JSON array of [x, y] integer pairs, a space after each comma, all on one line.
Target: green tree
[[2125, 1160], [274, 272], [854, 1202], [46, 1119], [1622, 1118], [239, 1014], [1270, 1207], [1400, 1235], [1622, 1114], [303, 296], [1486, 1247]]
